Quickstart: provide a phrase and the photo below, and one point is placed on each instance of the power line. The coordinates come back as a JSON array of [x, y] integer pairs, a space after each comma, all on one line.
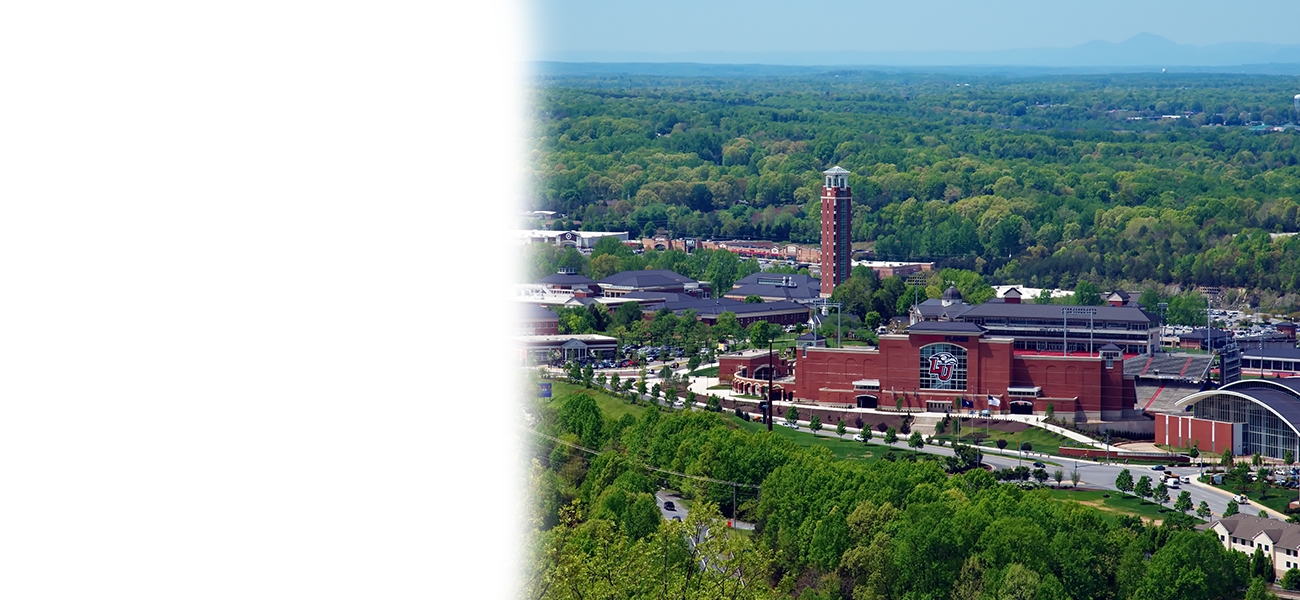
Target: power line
[[585, 449]]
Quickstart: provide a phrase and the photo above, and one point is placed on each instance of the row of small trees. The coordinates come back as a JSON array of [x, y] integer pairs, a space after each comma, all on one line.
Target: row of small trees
[[1142, 488]]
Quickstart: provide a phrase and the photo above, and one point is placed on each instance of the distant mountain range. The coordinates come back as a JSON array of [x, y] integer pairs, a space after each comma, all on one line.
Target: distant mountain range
[[1143, 50]]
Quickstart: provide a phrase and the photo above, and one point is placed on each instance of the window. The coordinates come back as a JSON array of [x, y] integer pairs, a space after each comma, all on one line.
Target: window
[[943, 367]]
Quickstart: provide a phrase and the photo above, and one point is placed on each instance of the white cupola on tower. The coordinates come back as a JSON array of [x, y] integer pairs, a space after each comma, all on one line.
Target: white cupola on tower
[[836, 178]]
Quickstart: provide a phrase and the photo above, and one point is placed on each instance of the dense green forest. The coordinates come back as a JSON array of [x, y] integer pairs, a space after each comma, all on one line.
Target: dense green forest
[[1043, 182], [828, 529]]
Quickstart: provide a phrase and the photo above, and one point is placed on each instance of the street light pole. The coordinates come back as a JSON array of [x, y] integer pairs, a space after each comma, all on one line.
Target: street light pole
[[770, 407]]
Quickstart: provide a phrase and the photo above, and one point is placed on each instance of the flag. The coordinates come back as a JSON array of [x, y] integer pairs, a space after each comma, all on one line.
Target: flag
[[967, 403], [994, 401]]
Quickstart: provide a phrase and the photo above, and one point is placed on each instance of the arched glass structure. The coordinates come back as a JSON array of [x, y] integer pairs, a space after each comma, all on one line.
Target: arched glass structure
[[1269, 409]]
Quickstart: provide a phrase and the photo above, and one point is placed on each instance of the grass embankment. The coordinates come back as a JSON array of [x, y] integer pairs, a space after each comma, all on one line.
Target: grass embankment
[[845, 448], [1118, 503], [610, 405], [706, 372]]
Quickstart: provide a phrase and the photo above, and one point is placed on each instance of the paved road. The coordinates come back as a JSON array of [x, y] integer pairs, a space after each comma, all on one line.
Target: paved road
[[1096, 475]]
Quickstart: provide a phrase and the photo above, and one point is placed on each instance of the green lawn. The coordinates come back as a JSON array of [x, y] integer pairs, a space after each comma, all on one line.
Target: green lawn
[[841, 448], [709, 372], [1040, 439], [720, 386], [609, 405], [1278, 498], [1119, 503]]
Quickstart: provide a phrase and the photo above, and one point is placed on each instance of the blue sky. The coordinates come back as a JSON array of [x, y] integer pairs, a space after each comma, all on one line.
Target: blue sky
[[764, 25]]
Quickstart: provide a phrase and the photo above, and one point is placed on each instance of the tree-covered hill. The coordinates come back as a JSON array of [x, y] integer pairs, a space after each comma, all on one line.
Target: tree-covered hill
[[1040, 181]]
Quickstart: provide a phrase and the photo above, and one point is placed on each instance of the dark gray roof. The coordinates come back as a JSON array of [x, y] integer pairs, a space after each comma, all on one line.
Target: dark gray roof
[[657, 296], [1127, 314], [811, 336], [946, 327], [951, 294], [776, 291], [1289, 385], [715, 306], [934, 309], [1109, 347], [565, 279], [1289, 353], [646, 279], [1199, 334], [769, 279], [1284, 400], [533, 312]]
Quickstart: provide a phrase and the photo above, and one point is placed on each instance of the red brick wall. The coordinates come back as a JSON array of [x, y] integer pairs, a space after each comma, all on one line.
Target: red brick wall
[[991, 368], [729, 365], [546, 327], [1179, 430]]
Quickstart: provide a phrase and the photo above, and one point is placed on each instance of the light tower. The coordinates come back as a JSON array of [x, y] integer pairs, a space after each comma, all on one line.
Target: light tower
[[837, 222]]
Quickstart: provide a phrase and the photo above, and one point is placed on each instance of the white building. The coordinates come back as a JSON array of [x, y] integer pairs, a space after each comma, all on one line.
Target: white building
[[577, 239], [1279, 540]]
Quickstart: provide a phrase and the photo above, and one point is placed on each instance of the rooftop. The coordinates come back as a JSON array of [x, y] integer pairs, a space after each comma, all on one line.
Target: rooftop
[[533, 312], [1129, 314], [648, 278], [1285, 353], [582, 337], [716, 306], [946, 327], [566, 279], [1242, 525], [536, 233]]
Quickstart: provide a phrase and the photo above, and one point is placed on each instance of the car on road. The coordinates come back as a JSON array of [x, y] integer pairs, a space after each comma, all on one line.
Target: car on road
[[668, 505], [679, 403], [859, 438], [1039, 464], [1242, 499], [1158, 468], [1172, 482], [1186, 479], [789, 424]]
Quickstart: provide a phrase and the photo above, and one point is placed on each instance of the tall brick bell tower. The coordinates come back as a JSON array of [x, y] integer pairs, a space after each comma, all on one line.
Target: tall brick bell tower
[[837, 222]]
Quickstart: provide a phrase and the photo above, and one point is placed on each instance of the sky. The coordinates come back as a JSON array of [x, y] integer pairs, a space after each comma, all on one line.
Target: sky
[[568, 26]]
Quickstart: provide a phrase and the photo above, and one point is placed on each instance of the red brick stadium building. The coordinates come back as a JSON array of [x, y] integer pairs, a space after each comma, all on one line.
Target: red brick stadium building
[[954, 366]]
